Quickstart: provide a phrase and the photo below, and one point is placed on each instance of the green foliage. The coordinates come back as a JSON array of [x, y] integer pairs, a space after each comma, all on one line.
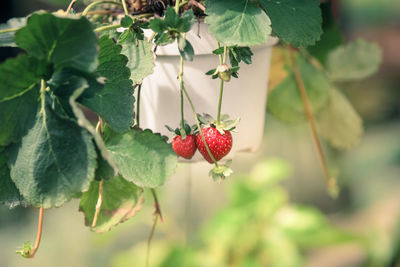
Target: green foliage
[[297, 22], [353, 61], [237, 22], [143, 157], [121, 201]]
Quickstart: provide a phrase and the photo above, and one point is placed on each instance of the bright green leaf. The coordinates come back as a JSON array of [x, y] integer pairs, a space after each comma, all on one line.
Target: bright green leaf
[[65, 42], [284, 101], [237, 22], [54, 161], [339, 123], [143, 157], [297, 22], [354, 61], [7, 39], [121, 201], [9, 194], [140, 59], [115, 102]]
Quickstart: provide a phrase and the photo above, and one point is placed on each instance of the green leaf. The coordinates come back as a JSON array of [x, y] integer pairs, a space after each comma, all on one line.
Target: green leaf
[[9, 194], [7, 39], [115, 102], [143, 157], [237, 22], [354, 61], [126, 21], [297, 22], [140, 59], [121, 201], [18, 96], [54, 161], [64, 42], [284, 101], [163, 39], [339, 123], [185, 49]]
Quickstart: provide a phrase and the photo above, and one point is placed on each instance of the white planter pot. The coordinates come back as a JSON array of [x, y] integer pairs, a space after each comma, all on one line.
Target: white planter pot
[[245, 97]]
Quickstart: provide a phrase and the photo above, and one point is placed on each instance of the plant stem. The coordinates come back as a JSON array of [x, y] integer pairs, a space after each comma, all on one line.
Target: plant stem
[[107, 27], [90, 6], [39, 234], [98, 205], [156, 204], [180, 77], [225, 53], [177, 5], [153, 229], [138, 105], [331, 182], [221, 87], [70, 6], [125, 8], [9, 30]]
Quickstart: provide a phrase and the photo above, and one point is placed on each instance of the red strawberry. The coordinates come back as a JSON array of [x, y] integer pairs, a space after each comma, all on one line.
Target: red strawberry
[[184, 148], [219, 144]]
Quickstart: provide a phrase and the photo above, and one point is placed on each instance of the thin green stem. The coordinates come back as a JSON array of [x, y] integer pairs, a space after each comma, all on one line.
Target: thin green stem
[[125, 8], [220, 56], [221, 92], [9, 30], [90, 6], [138, 105], [184, 3], [177, 5], [153, 229], [181, 90], [107, 27], [225, 53]]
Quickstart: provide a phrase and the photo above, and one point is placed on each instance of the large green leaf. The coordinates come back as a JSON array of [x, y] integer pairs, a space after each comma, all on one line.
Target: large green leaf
[[19, 91], [143, 157], [354, 61], [339, 123], [54, 161], [297, 22], [121, 201], [284, 101], [140, 59], [7, 39], [64, 42], [115, 102], [9, 194], [237, 22]]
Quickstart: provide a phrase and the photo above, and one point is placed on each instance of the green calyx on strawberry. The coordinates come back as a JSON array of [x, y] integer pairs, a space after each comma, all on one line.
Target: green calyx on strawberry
[[224, 72], [220, 172], [184, 142], [217, 136]]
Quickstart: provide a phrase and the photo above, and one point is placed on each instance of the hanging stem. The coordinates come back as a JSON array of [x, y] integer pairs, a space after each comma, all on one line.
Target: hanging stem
[[222, 60], [125, 8], [96, 3], [180, 77], [177, 5], [138, 105], [157, 215], [98, 205], [331, 182], [70, 6], [107, 27], [39, 234]]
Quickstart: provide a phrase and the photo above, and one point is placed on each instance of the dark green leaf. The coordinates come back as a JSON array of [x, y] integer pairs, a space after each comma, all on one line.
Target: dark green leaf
[[54, 161], [140, 59], [171, 19], [9, 194], [157, 25], [185, 49], [143, 157], [284, 101], [163, 39], [187, 21], [297, 22], [115, 102], [121, 201], [237, 22], [7, 39], [126, 21], [19, 90], [64, 42]]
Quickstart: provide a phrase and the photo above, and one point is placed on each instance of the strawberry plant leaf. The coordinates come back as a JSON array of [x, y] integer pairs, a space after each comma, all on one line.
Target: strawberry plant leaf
[[339, 123], [7, 39], [143, 157], [18, 96], [284, 101], [185, 49], [54, 161], [64, 42], [140, 59], [115, 102], [121, 201], [237, 22], [297, 22], [9, 194], [354, 61]]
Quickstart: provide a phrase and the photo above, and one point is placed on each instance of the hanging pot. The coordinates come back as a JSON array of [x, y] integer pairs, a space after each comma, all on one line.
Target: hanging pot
[[245, 97]]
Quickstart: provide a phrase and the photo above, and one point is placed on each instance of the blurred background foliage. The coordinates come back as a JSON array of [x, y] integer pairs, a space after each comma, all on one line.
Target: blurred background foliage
[[273, 213]]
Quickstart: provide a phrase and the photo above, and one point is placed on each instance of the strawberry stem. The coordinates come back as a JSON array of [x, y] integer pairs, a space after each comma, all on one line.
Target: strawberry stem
[[221, 88], [181, 89]]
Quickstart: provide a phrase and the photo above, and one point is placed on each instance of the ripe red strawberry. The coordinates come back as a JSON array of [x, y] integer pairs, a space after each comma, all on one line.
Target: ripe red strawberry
[[184, 148], [219, 144]]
